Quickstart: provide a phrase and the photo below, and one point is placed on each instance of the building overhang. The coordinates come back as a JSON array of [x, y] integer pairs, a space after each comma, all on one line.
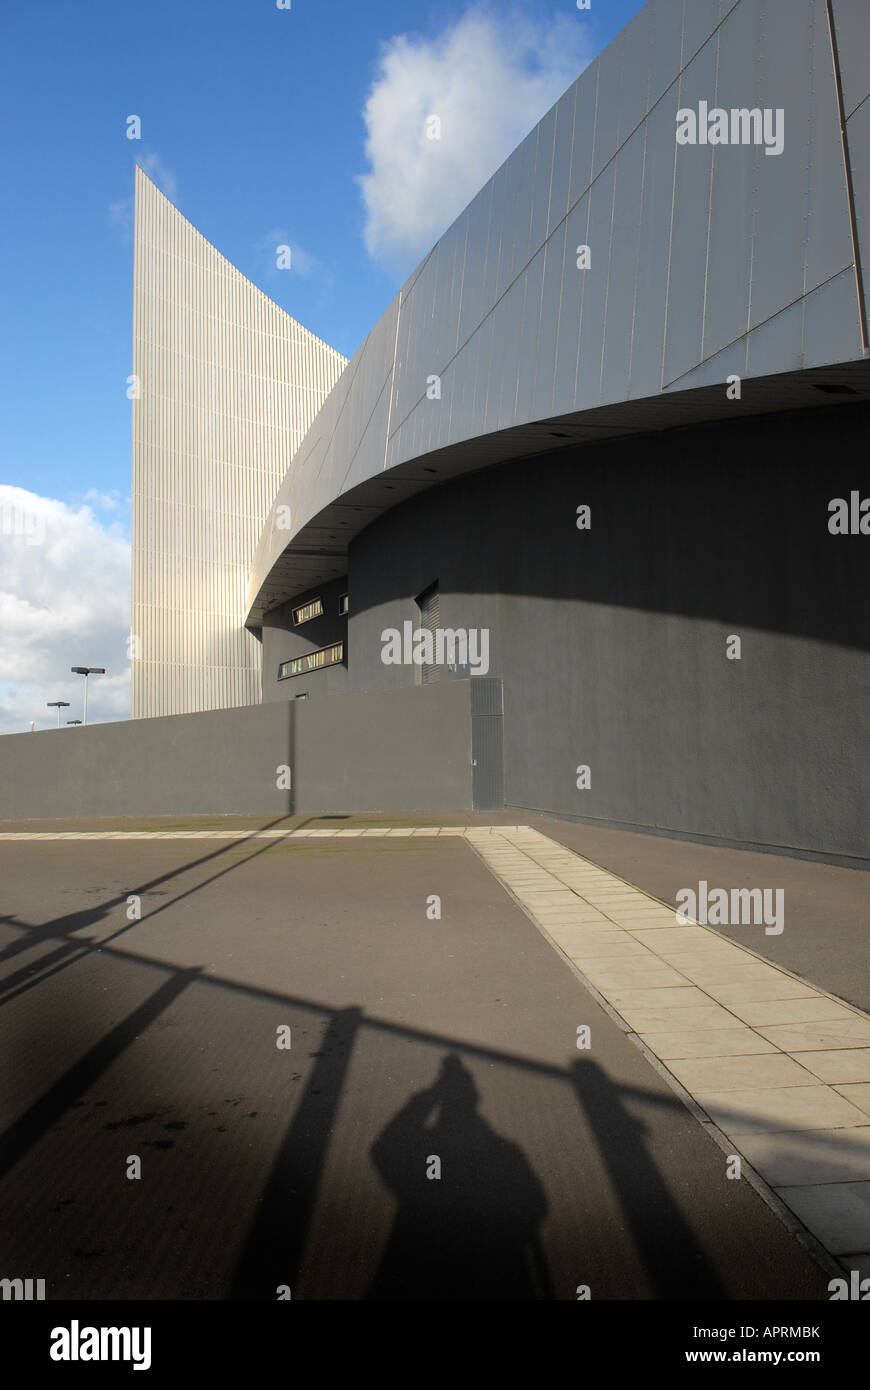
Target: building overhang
[[318, 552]]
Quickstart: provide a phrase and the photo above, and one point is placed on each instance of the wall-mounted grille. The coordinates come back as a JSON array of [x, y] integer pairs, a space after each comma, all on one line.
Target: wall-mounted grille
[[429, 604]]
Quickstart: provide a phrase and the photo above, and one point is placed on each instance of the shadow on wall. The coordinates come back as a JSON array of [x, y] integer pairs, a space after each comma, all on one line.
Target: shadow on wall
[[727, 522]]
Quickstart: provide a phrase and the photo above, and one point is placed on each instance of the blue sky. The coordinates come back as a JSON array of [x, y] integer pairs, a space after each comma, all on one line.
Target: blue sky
[[254, 122]]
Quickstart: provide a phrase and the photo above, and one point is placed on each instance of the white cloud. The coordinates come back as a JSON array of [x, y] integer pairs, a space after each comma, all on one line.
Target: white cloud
[[106, 501], [121, 213], [64, 601], [489, 78], [302, 263], [121, 217], [159, 174]]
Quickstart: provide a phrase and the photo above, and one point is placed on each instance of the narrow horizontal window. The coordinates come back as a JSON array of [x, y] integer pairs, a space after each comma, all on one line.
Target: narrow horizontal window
[[312, 661], [307, 611]]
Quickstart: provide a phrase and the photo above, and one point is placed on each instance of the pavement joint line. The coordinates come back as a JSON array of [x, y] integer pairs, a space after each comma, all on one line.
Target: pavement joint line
[[524, 861]]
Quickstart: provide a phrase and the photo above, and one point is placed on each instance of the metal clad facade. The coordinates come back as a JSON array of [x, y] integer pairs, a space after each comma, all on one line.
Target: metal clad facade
[[228, 387], [706, 259]]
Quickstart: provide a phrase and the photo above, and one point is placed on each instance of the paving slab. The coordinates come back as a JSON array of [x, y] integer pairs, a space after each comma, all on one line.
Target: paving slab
[[803, 1009], [768, 1110], [739, 1073], [810, 1157], [821, 1036], [857, 1095], [838, 1066], [838, 1214], [705, 1042]]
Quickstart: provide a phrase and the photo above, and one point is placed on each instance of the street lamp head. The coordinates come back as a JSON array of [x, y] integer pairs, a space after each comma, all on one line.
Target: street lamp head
[[57, 704], [87, 671], [73, 721]]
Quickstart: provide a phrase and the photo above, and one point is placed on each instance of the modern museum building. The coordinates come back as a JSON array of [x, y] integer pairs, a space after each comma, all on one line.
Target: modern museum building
[[604, 458]]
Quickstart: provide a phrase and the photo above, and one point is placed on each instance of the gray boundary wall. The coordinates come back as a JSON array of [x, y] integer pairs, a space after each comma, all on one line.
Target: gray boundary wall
[[390, 751]]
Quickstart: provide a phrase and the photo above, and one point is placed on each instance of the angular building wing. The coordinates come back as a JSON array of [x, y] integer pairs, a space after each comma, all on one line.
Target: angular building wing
[[225, 386]]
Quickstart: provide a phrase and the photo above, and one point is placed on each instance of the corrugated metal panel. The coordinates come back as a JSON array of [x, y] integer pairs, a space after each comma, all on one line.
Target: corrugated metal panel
[[829, 234], [528, 340], [518, 210], [551, 299], [656, 202], [622, 270], [585, 117], [561, 169], [782, 62], [541, 185], [229, 387], [687, 271], [562, 339], [832, 331], [734, 172], [607, 110], [700, 18], [634, 94], [594, 307]]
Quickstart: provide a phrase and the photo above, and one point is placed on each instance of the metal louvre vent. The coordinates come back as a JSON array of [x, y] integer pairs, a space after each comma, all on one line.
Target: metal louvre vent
[[429, 603], [487, 744]]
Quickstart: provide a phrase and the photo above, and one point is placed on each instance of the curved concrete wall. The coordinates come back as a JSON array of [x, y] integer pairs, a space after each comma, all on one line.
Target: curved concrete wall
[[706, 260]]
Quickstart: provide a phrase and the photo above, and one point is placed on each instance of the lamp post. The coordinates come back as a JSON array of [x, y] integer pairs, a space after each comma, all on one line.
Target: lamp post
[[32, 725], [87, 671], [58, 705]]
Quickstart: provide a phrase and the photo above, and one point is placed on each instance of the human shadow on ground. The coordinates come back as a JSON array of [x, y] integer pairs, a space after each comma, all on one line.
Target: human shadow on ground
[[469, 1204]]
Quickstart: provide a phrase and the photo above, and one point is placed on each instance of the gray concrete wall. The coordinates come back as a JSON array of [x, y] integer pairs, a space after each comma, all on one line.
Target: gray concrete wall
[[611, 642], [398, 750], [407, 750]]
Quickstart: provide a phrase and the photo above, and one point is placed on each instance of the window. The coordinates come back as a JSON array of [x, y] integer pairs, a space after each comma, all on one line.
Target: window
[[312, 661], [307, 612], [342, 603]]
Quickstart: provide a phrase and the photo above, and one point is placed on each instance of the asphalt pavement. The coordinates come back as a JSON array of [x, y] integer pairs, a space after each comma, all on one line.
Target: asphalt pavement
[[431, 1132]]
